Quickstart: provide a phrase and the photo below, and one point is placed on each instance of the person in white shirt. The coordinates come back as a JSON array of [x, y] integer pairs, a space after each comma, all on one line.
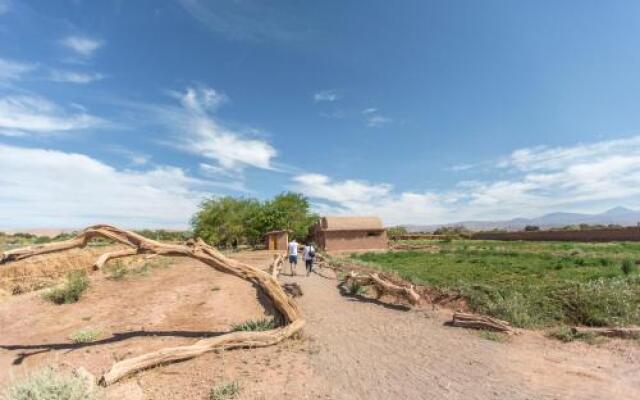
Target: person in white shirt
[[293, 256], [309, 254]]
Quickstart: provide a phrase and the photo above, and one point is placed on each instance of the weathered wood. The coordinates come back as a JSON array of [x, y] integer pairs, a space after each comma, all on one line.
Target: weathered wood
[[384, 286], [276, 265], [465, 320], [195, 249], [104, 258], [631, 332]]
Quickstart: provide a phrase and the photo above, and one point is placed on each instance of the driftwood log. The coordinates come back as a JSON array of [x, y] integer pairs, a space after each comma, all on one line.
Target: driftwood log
[[276, 265], [631, 332], [384, 286], [198, 250], [465, 320]]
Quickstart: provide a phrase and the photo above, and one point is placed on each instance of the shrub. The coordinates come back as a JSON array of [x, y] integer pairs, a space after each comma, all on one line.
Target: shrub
[[77, 282], [49, 384], [566, 334], [628, 266], [356, 288], [264, 324], [85, 336], [117, 271], [225, 391]]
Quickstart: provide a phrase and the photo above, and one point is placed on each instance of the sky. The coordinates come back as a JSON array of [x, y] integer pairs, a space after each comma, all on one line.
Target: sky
[[420, 112]]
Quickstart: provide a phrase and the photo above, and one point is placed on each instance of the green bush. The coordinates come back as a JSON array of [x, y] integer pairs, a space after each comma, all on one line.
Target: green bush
[[628, 267], [225, 391], [85, 336], [566, 334], [264, 324], [48, 384], [77, 282], [355, 288]]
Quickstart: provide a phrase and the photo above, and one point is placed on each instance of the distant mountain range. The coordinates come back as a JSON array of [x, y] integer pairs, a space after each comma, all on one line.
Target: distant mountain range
[[618, 215]]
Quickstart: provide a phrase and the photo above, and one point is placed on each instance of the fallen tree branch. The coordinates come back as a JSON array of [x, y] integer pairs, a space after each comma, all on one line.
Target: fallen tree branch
[[195, 249], [276, 265], [465, 320], [631, 332], [384, 286], [104, 258]]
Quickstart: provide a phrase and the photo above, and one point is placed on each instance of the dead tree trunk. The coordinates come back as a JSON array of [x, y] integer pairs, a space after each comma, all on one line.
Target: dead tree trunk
[[384, 286], [464, 320], [195, 249], [631, 332]]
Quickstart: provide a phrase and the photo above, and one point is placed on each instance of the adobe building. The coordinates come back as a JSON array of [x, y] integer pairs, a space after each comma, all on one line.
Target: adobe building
[[276, 240], [350, 233]]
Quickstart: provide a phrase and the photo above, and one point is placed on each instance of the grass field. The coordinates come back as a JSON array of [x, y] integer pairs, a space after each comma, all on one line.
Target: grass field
[[530, 284]]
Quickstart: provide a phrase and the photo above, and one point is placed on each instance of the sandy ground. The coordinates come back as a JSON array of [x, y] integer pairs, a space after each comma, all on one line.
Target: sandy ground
[[350, 349]]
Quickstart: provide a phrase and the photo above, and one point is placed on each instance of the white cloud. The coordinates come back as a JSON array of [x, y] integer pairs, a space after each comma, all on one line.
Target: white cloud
[[586, 178], [374, 119], [74, 77], [13, 70], [378, 121], [49, 188], [21, 114], [326, 95], [82, 45], [201, 133]]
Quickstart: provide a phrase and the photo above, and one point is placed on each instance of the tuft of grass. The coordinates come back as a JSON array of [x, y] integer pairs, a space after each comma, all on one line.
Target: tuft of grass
[[628, 267], [71, 291], [48, 384], [356, 288], [264, 324], [225, 391], [494, 336], [85, 336], [566, 334]]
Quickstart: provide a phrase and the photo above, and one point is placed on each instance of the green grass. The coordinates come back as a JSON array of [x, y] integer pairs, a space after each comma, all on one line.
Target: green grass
[[494, 336], [85, 336], [530, 284], [71, 291], [264, 324], [565, 334], [48, 384], [225, 391]]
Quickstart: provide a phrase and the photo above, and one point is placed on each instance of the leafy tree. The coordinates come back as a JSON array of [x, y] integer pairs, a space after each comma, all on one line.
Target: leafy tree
[[531, 228], [287, 211], [396, 231], [226, 220]]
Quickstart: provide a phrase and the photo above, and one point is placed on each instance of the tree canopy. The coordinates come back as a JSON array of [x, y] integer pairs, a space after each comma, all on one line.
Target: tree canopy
[[225, 221]]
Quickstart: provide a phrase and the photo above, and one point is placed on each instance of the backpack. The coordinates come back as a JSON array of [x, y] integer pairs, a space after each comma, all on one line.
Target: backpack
[[312, 252]]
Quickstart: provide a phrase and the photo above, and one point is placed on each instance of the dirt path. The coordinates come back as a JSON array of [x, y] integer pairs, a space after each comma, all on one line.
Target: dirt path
[[362, 350]]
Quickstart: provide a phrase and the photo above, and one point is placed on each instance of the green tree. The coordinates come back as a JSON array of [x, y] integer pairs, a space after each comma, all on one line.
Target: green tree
[[287, 211], [225, 221]]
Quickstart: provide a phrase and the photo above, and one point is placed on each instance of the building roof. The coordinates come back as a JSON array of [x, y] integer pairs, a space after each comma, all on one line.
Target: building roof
[[351, 224]]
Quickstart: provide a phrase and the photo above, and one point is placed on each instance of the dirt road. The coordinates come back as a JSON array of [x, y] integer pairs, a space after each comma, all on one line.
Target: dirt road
[[363, 350]]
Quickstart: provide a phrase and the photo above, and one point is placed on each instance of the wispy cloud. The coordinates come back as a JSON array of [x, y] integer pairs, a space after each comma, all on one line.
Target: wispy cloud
[[60, 189], [584, 177], [82, 46], [244, 20], [30, 114], [198, 130], [374, 119], [11, 70], [326, 95], [74, 76]]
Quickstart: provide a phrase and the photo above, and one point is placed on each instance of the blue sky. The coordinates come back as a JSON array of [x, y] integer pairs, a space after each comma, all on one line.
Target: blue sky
[[417, 111]]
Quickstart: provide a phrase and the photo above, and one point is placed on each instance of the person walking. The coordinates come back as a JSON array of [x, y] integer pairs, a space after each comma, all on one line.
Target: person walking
[[293, 256], [309, 254]]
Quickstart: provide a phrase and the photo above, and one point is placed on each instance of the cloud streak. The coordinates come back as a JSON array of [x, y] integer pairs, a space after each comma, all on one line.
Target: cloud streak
[[82, 46], [30, 114]]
